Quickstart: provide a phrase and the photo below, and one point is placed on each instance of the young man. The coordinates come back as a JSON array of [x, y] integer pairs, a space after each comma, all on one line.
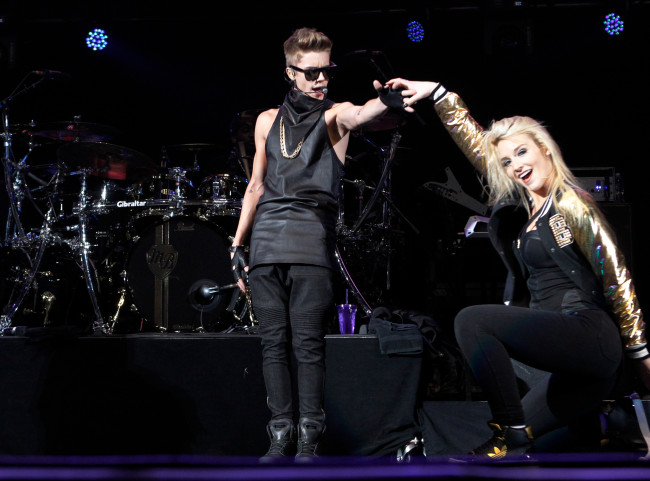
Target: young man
[[290, 210]]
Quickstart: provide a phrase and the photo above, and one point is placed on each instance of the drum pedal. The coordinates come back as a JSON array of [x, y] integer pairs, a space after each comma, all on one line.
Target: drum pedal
[[48, 299]]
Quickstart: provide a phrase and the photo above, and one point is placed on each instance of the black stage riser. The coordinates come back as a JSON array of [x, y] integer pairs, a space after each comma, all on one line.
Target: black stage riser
[[189, 394]]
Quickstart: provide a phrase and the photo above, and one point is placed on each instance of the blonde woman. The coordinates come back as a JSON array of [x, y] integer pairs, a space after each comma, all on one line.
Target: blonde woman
[[570, 306]]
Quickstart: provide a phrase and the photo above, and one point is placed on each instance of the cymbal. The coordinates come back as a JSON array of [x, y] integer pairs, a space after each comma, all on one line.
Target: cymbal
[[75, 131], [20, 128], [106, 160]]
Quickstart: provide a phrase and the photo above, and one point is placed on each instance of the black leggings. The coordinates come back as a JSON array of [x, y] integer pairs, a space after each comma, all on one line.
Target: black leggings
[[582, 351]]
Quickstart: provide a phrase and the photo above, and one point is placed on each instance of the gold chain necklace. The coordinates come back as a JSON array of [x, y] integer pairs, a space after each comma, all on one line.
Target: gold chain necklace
[[283, 147]]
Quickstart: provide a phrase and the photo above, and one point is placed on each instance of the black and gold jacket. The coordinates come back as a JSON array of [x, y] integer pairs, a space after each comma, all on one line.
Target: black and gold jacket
[[577, 237]]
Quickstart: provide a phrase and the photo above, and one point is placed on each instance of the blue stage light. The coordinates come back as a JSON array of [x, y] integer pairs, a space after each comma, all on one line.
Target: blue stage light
[[415, 31], [97, 39], [613, 24]]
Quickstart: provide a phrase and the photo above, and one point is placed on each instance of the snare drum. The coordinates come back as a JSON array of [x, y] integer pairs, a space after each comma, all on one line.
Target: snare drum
[[171, 268], [222, 194], [170, 186], [162, 195]]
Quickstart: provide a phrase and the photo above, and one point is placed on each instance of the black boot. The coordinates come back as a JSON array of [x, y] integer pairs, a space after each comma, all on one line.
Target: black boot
[[310, 433], [282, 434], [506, 441]]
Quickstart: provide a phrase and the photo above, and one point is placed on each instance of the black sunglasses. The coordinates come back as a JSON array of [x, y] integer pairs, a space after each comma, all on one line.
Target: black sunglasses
[[313, 73]]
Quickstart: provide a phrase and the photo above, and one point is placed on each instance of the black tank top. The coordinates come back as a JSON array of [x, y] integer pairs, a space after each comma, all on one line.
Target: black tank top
[[296, 216], [550, 288]]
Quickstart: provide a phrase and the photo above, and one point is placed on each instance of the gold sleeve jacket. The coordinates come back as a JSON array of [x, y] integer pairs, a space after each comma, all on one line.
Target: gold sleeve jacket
[[577, 237]]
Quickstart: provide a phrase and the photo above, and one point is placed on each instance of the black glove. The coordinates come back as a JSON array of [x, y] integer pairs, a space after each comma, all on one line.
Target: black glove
[[238, 262], [391, 97]]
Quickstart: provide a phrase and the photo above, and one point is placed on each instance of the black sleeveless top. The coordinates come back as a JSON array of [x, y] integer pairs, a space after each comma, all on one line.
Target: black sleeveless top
[[550, 288], [296, 216]]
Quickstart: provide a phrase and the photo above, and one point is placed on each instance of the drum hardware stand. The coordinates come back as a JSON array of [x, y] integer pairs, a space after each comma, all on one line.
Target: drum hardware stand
[[195, 163], [13, 182], [46, 238], [112, 320], [247, 311], [205, 293], [14, 225], [177, 201], [83, 248], [361, 186], [383, 189], [164, 158], [179, 175], [14, 231], [28, 281], [388, 161], [19, 190], [48, 299], [13, 189], [7, 155]]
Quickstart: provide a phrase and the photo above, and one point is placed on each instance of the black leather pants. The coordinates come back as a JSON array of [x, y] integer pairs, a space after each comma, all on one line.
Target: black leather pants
[[293, 304]]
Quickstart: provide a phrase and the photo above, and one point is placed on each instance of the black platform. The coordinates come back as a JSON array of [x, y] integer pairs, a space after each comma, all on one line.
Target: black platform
[[196, 394]]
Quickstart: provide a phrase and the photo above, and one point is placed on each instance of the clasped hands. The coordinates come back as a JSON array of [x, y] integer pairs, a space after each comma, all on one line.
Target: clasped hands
[[404, 94]]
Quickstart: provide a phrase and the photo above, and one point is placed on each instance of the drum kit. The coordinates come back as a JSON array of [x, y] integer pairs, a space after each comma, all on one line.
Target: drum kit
[[102, 239]]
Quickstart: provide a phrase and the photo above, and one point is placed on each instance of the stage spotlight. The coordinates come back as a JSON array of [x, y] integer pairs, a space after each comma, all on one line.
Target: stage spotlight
[[415, 31], [613, 24], [97, 39]]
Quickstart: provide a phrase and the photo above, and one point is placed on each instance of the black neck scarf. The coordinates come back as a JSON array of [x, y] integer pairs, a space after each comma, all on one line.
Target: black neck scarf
[[300, 114]]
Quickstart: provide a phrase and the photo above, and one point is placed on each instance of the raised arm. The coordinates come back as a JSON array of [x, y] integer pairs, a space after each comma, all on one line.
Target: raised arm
[[352, 117], [466, 132]]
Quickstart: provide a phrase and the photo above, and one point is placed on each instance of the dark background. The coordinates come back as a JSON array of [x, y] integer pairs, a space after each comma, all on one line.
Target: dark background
[[178, 72]]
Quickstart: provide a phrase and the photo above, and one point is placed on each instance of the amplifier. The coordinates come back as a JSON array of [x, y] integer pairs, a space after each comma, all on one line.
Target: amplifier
[[601, 182]]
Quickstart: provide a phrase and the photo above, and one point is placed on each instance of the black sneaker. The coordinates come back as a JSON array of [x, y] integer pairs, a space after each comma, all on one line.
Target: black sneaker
[[310, 433], [283, 440], [506, 441]]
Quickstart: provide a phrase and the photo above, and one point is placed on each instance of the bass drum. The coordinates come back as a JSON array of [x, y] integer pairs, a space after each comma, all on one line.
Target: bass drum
[[170, 269], [58, 296]]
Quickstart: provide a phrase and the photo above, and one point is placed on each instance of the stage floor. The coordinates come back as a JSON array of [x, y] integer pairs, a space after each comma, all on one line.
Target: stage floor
[[192, 406], [187, 468]]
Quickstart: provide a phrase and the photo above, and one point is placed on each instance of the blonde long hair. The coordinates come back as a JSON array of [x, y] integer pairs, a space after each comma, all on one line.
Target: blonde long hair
[[563, 184]]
